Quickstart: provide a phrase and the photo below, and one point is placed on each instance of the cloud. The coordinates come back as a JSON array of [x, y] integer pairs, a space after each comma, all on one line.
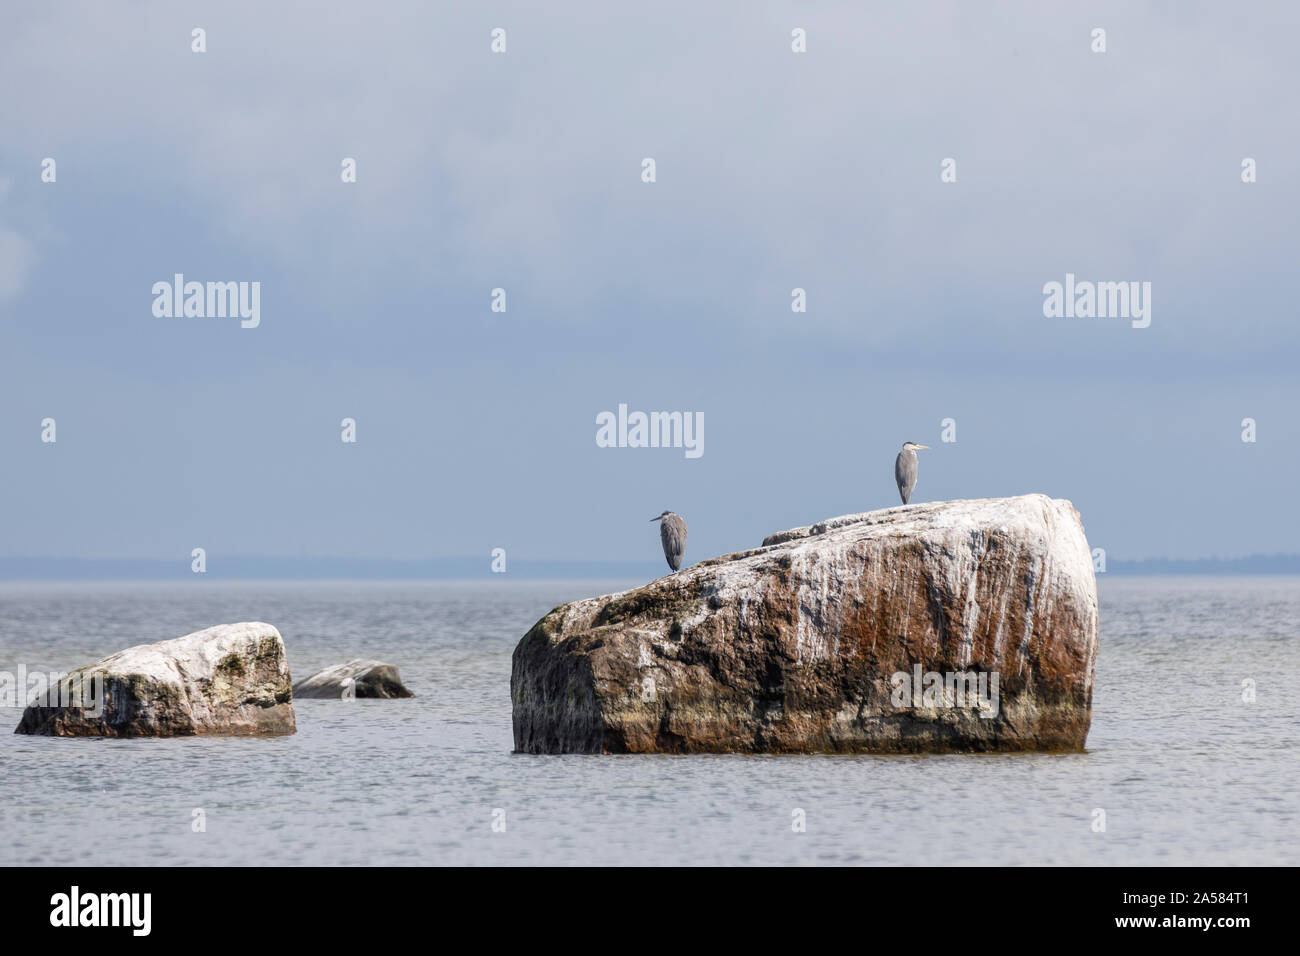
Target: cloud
[[16, 259], [775, 170], [819, 170], [17, 255]]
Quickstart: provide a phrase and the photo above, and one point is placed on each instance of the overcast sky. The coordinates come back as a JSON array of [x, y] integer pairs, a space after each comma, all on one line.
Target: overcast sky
[[523, 171]]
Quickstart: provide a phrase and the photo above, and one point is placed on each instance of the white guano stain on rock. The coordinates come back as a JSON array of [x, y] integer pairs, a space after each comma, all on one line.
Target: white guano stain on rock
[[232, 679]]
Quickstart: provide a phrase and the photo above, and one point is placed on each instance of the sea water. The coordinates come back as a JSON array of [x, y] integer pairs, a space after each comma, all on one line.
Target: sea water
[[1192, 757]]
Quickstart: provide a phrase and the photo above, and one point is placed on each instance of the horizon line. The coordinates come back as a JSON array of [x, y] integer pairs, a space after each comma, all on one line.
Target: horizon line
[[290, 568]]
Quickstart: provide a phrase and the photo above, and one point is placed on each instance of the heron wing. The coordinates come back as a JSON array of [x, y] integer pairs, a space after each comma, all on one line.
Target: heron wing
[[672, 532]]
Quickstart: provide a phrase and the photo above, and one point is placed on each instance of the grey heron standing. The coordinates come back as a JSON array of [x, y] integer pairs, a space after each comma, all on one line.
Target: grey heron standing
[[673, 535], [905, 468]]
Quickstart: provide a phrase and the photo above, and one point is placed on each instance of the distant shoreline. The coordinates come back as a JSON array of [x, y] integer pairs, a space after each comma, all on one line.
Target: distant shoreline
[[479, 569]]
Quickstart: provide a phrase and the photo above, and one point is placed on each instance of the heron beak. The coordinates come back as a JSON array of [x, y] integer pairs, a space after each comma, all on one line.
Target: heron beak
[[656, 518], [926, 447]]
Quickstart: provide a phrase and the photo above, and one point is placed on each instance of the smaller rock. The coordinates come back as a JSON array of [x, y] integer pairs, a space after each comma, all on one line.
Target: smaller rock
[[231, 679], [359, 678]]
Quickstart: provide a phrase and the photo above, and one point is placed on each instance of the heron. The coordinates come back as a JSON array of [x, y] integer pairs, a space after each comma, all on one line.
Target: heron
[[905, 468], [673, 535]]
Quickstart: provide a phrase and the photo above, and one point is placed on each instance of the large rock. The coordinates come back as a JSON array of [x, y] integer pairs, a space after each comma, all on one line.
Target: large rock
[[815, 643], [359, 678], [232, 679]]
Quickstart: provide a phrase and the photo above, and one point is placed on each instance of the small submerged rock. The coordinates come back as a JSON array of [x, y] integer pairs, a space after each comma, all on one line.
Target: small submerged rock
[[232, 679], [359, 678]]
